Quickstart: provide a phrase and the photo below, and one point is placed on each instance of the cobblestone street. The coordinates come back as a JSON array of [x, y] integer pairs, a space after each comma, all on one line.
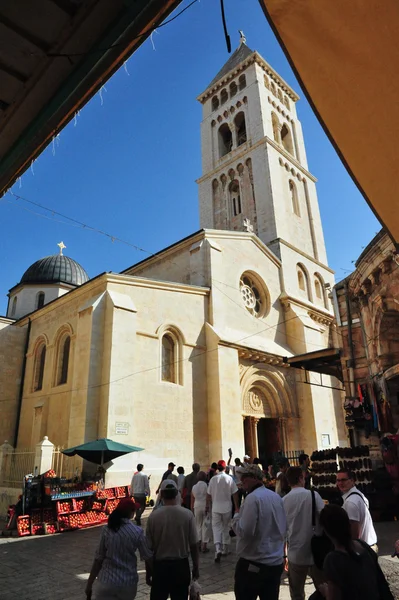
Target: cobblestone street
[[56, 567]]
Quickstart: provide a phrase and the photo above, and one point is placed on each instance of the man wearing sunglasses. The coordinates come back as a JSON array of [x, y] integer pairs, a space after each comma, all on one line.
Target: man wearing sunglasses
[[357, 507]]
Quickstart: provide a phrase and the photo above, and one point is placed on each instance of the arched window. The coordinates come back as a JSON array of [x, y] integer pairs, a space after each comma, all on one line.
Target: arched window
[[224, 96], [14, 306], [235, 198], [242, 82], [168, 358], [320, 290], [64, 347], [294, 198], [276, 127], [225, 140], [286, 139], [254, 294], [287, 102], [241, 130], [38, 369], [266, 82], [215, 103], [273, 88], [233, 89], [303, 281], [280, 95], [40, 300]]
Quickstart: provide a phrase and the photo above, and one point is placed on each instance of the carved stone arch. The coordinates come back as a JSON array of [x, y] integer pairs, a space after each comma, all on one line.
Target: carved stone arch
[[232, 174], [240, 169], [41, 339], [276, 399]]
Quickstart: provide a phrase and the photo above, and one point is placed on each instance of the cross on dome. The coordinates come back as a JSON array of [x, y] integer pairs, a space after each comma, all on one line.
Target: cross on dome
[[61, 246]]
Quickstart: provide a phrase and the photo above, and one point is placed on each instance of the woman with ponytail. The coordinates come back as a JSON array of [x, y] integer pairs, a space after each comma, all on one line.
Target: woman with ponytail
[[351, 569], [115, 563]]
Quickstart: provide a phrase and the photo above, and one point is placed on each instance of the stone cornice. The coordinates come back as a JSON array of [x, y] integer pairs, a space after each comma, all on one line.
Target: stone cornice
[[238, 153], [135, 281], [291, 158], [256, 355], [316, 313], [6, 320], [254, 58], [303, 254]]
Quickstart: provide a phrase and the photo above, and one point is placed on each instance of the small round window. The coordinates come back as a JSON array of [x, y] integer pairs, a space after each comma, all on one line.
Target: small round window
[[254, 295]]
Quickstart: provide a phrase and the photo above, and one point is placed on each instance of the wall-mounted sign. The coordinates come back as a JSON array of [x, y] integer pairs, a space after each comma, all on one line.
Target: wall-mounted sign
[[121, 428], [325, 440]]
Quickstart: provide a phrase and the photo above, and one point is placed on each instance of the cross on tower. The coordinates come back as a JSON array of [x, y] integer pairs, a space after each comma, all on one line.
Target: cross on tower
[[61, 246]]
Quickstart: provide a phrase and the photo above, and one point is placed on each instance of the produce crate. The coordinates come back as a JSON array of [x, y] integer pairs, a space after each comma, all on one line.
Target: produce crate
[[98, 504], [111, 505], [80, 504], [120, 492], [75, 520], [65, 506], [63, 522], [36, 522], [23, 525], [51, 528]]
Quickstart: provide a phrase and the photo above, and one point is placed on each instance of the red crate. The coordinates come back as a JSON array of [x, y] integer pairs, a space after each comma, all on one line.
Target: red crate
[[49, 515], [65, 506], [111, 505], [37, 529], [120, 492], [63, 522], [50, 528], [23, 525]]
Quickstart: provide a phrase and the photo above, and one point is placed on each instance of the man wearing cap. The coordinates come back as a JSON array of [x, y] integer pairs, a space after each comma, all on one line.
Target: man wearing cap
[[221, 490], [260, 527], [171, 535]]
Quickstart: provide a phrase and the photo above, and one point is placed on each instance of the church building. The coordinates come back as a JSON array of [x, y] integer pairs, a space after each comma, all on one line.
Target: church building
[[185, 353]]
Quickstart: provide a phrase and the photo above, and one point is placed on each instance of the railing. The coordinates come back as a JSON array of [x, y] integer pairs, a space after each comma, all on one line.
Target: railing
[[15, 465], [66, 466], [291, 455]]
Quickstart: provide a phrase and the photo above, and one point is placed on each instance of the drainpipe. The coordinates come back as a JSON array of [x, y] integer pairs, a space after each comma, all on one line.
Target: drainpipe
[[21, 387], [351, 362]]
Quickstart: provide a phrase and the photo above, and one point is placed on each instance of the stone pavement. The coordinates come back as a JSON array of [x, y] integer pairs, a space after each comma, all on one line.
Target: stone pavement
[[56, 567]]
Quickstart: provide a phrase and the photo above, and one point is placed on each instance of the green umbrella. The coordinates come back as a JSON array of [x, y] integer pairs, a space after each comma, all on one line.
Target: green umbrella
[[101, 451]]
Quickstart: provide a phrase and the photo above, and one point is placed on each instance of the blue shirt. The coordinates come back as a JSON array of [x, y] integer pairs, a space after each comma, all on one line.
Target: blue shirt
[[117, 550]]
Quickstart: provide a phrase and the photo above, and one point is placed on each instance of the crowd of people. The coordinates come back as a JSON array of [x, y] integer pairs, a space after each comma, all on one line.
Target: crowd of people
[[289, 529]]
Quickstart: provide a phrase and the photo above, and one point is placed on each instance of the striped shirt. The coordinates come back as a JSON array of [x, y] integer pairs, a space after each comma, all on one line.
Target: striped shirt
[[117, 552]]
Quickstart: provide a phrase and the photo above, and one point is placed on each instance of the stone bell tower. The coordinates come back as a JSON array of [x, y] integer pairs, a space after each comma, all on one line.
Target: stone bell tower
[[254, 161]]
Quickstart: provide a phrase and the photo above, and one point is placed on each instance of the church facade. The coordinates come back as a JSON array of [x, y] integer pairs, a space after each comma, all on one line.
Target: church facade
[[185, 354]]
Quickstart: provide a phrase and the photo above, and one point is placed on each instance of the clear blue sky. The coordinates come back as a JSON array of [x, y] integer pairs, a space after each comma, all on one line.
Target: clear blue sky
[[129, 165]]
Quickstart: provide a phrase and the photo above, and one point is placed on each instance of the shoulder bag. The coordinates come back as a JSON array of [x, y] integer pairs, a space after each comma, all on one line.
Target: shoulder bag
[[321, 545]]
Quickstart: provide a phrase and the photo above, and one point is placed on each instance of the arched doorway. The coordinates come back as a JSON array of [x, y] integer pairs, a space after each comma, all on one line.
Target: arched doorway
[[264, 430]]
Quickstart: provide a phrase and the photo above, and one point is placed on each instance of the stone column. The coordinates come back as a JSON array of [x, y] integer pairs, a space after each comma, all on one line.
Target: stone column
[[44, 456], [248, 435], [283, 434], [254, 424]]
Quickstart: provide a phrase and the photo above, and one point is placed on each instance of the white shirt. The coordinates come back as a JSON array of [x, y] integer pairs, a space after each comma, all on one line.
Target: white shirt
[[199, 492], [261, 527], [298, 509], [357, 507], [140, 485], [220, 488], [180, 482]]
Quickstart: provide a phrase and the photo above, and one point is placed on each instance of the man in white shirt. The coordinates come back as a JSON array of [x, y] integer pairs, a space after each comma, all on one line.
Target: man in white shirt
[[260, 527], [140, 489], [221, 490], [298, 510], [357, 507]]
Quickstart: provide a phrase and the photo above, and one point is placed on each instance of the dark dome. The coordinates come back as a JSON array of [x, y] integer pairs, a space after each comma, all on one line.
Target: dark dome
[[55, 269]]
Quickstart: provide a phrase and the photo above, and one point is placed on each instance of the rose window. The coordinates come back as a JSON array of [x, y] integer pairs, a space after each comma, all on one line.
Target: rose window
[[253, 296]]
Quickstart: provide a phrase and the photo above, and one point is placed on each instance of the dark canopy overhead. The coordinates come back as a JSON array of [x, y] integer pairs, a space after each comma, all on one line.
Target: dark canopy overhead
[[325, 361], [345, 55], [54, 56]]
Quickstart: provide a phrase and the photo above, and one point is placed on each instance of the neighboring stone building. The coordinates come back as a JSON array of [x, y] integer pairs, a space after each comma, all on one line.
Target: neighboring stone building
[[367, 311], [185, 353]]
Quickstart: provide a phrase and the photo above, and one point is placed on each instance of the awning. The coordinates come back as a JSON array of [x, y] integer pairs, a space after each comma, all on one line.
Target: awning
[[327, 362], [345, 56], [54, 56]]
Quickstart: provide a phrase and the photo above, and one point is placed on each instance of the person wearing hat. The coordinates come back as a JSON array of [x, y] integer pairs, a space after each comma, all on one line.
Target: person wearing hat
[[260, 528], [115, 563], [221, 490], [172, 536]]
